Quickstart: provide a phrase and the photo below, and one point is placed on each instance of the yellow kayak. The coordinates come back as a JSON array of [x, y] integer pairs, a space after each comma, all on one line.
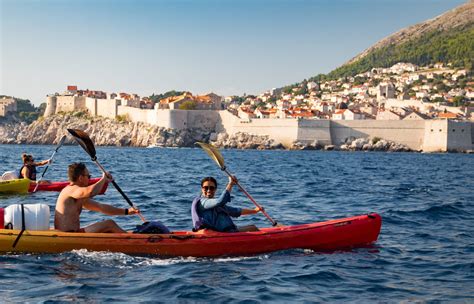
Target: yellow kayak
[[15, 186]]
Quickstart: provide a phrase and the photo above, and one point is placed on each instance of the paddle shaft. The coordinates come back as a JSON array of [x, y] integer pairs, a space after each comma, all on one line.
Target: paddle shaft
[[274, 223], [46, 168], [119, 190]]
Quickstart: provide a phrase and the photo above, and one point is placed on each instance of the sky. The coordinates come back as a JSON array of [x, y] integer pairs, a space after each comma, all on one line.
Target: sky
[[228, 47]]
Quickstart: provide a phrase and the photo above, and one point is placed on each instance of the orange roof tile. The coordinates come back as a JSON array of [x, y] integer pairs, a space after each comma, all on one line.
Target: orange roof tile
[[447, 115]]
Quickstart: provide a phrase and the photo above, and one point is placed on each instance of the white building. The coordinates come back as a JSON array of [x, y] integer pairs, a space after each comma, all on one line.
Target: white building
[[312, 86], [346, 114]]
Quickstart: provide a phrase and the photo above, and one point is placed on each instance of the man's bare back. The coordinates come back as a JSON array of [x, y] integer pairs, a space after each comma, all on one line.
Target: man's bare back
[[79, 195]]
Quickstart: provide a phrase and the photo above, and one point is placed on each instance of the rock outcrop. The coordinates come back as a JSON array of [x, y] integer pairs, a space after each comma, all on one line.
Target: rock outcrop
[[354, 144], [103, 131], [244, 141]]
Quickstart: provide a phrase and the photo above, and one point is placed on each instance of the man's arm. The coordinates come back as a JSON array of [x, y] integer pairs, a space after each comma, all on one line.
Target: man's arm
[[250, 211], [107, 209]]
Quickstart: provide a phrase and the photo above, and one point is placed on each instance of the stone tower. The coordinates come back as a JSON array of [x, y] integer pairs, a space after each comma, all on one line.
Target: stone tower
[[51, 102], [385, 91]]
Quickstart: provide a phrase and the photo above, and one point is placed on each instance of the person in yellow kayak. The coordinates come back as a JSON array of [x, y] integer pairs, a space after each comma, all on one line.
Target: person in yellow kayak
[[28, 170], [212, 213], [78, 195]]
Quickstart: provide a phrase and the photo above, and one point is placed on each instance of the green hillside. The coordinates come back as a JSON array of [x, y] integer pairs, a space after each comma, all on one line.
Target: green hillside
[[455, 46]]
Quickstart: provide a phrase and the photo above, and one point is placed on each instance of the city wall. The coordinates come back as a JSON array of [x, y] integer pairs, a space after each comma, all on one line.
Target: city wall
[[174, 119], [426, 135], [409, 133], [66, 103], [284, 131], [447, 135]]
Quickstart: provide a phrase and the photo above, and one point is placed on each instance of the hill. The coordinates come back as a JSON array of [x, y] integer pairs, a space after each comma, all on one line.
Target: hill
[[448, 38]]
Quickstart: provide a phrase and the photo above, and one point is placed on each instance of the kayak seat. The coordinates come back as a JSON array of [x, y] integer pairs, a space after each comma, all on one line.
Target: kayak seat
[[9, 175]]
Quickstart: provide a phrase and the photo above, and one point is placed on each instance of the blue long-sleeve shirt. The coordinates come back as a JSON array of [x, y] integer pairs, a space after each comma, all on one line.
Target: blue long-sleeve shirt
[[216, 214]]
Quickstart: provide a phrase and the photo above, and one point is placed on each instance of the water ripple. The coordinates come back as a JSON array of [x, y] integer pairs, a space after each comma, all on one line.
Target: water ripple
[[424, 253]]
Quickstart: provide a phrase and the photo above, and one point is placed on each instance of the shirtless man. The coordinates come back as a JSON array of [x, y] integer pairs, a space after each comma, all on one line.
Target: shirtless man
[[77, 195]]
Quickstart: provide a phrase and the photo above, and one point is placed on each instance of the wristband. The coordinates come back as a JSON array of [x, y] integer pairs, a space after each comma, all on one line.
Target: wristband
[[126, 211]]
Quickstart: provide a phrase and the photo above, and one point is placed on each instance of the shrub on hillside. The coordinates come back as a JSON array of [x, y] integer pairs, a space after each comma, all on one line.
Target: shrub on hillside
[[188, 105]]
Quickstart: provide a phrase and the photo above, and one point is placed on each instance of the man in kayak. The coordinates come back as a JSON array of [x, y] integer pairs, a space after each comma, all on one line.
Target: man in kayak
[[213, 213], [77, 195]]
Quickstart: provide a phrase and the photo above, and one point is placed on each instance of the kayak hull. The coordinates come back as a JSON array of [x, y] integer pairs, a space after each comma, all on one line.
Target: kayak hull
[[331, 235], [58, 186], [16, 186]]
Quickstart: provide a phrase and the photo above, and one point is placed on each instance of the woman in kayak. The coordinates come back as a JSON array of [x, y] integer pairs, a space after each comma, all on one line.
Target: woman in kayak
[[28, 170], [213, 213]]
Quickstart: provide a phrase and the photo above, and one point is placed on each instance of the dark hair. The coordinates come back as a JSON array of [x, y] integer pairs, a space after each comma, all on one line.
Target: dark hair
[[75, 170], [26, 157], [209, 179]]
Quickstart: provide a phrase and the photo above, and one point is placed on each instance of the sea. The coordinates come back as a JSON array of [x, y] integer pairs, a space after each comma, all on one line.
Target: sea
[[425, 251]]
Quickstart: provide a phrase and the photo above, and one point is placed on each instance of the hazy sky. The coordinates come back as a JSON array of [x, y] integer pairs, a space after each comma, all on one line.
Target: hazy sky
[[224, 46]]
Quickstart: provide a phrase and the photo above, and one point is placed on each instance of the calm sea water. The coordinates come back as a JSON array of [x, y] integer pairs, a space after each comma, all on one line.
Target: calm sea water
[[425, 251]]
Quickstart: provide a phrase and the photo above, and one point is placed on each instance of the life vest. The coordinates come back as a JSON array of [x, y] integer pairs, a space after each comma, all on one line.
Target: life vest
[[31, 170]]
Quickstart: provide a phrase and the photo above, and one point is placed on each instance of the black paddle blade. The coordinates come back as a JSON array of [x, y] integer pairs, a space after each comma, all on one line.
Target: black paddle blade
[[84, 141]]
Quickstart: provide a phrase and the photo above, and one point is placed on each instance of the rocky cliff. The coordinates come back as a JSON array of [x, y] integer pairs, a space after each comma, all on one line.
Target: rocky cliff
[[103, 131]]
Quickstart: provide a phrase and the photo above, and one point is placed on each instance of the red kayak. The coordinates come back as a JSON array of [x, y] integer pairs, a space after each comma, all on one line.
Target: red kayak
[[338, 234], [58, 186]]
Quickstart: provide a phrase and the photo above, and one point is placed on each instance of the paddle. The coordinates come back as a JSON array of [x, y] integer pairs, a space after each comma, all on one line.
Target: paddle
[[214, 153], [61, 142], [86, 143]]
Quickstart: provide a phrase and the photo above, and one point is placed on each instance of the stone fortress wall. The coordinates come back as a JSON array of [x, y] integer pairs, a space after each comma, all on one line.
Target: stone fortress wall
[[426, 135]]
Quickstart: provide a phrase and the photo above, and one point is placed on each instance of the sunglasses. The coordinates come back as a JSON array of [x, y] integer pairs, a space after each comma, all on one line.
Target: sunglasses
[[88, 175], [209, 188]]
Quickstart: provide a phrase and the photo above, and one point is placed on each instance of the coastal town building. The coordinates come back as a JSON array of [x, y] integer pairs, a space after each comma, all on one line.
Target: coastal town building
[[415, 115], [205, 102], [384, 114], [111, 105], [385, 91], [7, 106], [346, 114], [402, 103]]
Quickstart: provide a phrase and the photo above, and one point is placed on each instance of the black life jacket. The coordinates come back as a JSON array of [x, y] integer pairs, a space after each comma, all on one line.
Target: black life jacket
[[154, 227], [32, 172]]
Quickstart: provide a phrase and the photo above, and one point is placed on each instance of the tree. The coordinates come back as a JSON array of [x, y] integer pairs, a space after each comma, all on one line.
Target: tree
[[188, 105], [458, 101], [42, 108], [439, 99], [157, 98], [24, 105], [28, 117]]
